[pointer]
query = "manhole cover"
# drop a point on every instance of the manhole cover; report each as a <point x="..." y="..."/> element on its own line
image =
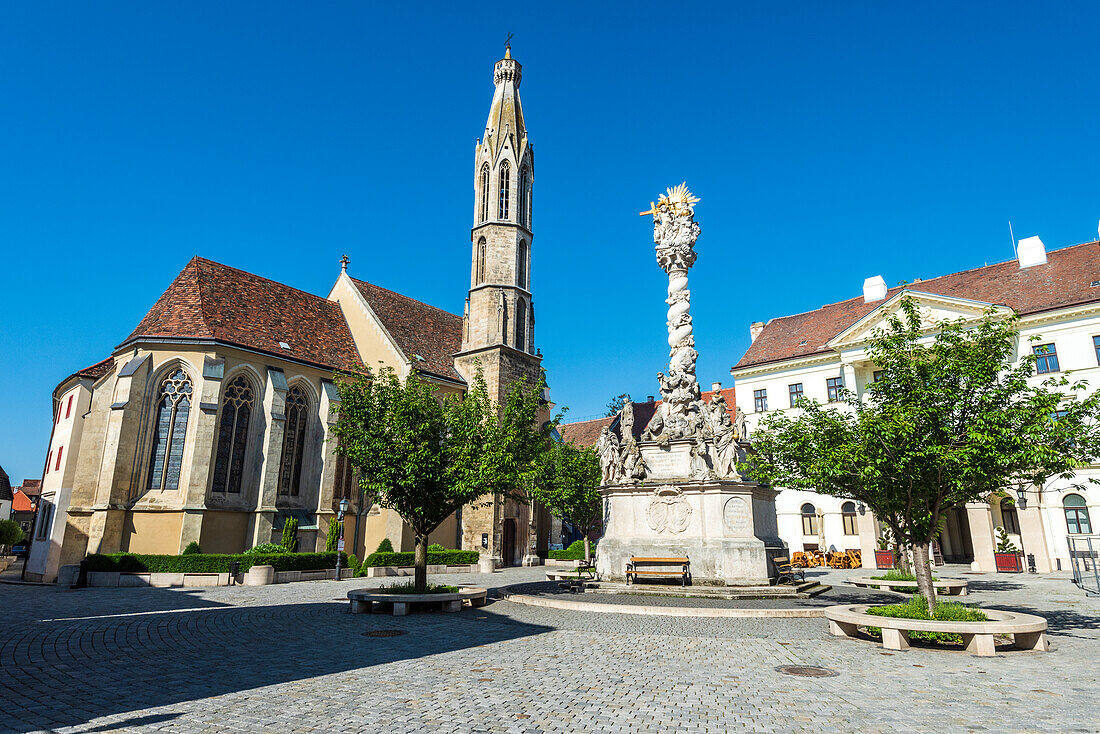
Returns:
<point x="384" y="633"/>
<point x="806" y="671"/>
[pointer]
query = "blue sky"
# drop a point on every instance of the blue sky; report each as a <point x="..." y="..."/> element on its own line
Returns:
<point x="829" y="142"/>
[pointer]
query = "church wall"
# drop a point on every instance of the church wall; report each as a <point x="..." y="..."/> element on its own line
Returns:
<point x="224" y="532"/>
<point x="152" y="532"/>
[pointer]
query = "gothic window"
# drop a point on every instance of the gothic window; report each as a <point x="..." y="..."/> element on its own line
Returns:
<point x="169" y="429"/>
<point x="502" y="184"/>
<point x="524" y="199"/>
<point x="521" y="265"/>
<point x="521" y="324"/>
<point x="503" y="319"/>
<point x="479" y="266"/>
<point x="233" y="436"/>
<point x="809" y="519"/>
<point x="531" y="331"/>
<point x="294" y="440"/>
<point x="484" y="192"/>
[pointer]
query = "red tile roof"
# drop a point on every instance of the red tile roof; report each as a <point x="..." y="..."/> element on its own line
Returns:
<point x="21" y="502"/>
<point x="1064" y="280"/>
<point x="97" y="370"/>
<point x="208" y="300"/>
<point x="418" y="329"/>
<point x="585" y="433"/>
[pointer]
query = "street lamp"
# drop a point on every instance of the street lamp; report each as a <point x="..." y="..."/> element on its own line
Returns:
<point x="344" y="505"/>
<point x="1021" y="502"/>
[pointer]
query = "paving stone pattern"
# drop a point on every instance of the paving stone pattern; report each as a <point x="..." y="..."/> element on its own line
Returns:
<point x="290" y="658"/>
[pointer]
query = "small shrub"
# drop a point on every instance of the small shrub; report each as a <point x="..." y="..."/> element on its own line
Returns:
<point x="384" y="547"/>
<point x="575" y="551"/>
<point x="191" y="549"/>
<point x="290" y="534"/>
<point x="901" y="576"/>
<point x="265" y="548"/>
<point x="409" y="587"/>
<point x="435" y="548"/>
<point x="917" y="608"/>
<point x="10" y="532"/>
<point x="353" y="562"/>
<point x="332" y="540"/>
<point x="1004" y="543"/>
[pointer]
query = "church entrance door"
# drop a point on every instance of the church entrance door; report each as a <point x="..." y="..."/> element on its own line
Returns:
<point x="508" y="552"/>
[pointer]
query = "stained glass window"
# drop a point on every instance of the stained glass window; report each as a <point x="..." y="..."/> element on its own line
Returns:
<point x="484" y="192"/>
<point x="233" y="436"/>
<point x="169" y="431"/>
<point x="294" y="439"/>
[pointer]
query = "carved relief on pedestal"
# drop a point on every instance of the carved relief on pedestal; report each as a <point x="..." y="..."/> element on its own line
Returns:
<point x="668" y="511"/>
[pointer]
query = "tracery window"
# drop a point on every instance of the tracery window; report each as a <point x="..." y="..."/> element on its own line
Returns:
<point x="479" y="266"/>
<point x="233" y="436"/>
<point x="502" y="185"/>
<point x="524" y="199"/>
<point x="294" y="440"/>
<point x="521" y="266"/>
<point x="169" y="430"/>
<point x="521" y="324"/>
<point x="484" y="192"/>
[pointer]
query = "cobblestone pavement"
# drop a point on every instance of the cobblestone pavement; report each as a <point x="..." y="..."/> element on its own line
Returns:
<point x="290" y="658"/>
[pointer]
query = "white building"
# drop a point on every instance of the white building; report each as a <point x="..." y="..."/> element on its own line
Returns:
<point x="813" y="354"/>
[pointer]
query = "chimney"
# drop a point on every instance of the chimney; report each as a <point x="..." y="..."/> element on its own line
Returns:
<point x="1031" y="251"/>
<point x="716" y="386"/>
<point x="755" y="328"/>
<point x="649" y="399"/>
<point x="874" y="289"/>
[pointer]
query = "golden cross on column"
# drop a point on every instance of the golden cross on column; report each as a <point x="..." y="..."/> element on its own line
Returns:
<point x="652" y="210"/>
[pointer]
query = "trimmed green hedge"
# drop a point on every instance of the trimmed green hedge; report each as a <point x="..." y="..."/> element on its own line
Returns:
<point x="210" y="562"/>
<point x="575" y="551"/>
<point x="435" y="558"/>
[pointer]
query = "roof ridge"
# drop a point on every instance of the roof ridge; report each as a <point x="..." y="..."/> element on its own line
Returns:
<point x="259" y="277"/>
<point x="407" y="298"/>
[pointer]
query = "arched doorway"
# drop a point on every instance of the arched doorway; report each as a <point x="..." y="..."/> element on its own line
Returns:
<point x="508" y="551"/>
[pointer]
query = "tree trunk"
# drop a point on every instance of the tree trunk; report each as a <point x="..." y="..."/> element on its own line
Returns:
<point x="923" y="571"/>
<point x="901" y="556"/>
<point x="587" y="550"/>
<point x="420" y="563"/>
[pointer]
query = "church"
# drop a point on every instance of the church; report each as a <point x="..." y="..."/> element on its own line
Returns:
<point x="211" y="421"/>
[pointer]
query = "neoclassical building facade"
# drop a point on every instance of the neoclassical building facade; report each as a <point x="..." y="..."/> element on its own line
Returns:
<point x="211" y="422"/>
<point x="815" y="354"/>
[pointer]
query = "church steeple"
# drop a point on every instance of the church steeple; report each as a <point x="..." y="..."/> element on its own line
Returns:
<point x="499" y="306"/>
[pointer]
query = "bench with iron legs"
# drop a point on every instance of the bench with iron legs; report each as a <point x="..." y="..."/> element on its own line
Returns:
<point x="787" y="570"/>
<point x="640" y="566"/>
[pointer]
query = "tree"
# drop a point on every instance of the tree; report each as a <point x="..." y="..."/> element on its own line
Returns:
<point x="951" y="419"/>
<point x="290" y="534"/>
<point x="615" y="404"/>
<point x="566" y="484"/>
<point x="10" y="533"/>
<point x="426" y="455"/>
<point x="332" y="540"/>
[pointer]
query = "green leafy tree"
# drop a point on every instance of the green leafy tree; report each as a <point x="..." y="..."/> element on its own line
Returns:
<point x="290" y="534"/>
<point x="425" y="455"/>
<point x="566" y="484"/>
<point x="952" y="419"/>
<point x="332" y="540"/>
<point x="10" y="533"/>
<point x="385" y="546"/>
<point x="615" y="404"/>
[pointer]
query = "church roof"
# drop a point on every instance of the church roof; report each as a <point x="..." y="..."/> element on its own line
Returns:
<point x="1064" y="280"/>
<point x="208" y="300"/>
<point x="585" y="433"/>
<point x="428" y="336"/>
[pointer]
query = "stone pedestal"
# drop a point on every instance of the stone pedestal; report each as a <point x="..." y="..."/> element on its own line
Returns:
<point x="726" y="527"/>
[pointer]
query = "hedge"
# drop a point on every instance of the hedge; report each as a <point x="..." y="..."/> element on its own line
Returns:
<point x="575" y="551"/>
<point x="210" y="562"/>
<point x="435" y="558"/>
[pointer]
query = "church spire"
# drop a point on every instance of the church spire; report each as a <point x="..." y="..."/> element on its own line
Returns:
<point x="505" y="122"/>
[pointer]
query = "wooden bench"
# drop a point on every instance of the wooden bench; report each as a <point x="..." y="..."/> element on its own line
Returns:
<point x="787" y="570"/>
<point x="1028" y="630"/>
<point x="683" y="572"/>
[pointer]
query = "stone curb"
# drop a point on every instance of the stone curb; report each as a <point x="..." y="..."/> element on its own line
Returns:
<point x="583" y="606"/>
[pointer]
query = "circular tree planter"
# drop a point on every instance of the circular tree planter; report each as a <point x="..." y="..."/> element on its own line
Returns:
<point x="363" y="600"/>
<point x="1028" y="630"/>
<point x="944" y="587"/>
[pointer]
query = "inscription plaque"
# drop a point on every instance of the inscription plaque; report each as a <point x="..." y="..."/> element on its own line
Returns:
<point x="736" y="515"/>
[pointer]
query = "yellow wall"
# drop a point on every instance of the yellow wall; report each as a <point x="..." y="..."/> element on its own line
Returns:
<point x="446" y="534"/>
<point x="224" y="532"/>
<point x="152" y="532"/>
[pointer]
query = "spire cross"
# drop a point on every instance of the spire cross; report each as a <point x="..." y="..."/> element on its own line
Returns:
<point x="508" y="40"/>
<point x="344" y="260"/>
